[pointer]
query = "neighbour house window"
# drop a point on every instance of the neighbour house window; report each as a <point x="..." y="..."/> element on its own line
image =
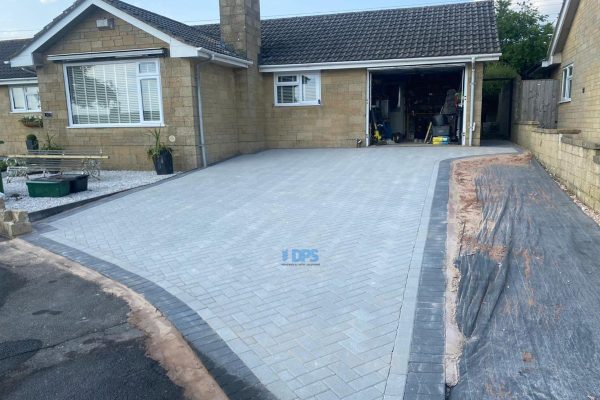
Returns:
<point x="567" y="82"/>
<point x="24" y="99"/>
<point x="298" y="89"/>
<point x="114" y="94"/>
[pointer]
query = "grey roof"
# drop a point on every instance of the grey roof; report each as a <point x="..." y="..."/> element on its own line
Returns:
<point x="7" y="49"/>
<point x="446" y="30"/>
<point x="435" y="31"/>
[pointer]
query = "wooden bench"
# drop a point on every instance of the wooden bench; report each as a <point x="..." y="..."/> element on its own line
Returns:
<point x="54" y="162"/>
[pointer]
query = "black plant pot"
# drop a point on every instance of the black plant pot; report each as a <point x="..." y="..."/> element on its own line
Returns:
<point x="163" y="163"/>
<point x="32" y="144"/>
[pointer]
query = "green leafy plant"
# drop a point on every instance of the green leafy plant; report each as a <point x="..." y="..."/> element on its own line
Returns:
<point x="158" y="146"/>
<point x="32" y="121"/>
<point x="497" y="75"/>
<point x="50" y="143"/>
<point x="524" y="32"/>
<point x="3" y="166"/>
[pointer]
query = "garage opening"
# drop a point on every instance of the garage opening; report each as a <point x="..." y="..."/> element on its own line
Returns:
<point x="417" y="105"/>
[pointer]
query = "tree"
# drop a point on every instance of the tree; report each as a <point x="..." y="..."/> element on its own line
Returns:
<point x="524" y="33"/>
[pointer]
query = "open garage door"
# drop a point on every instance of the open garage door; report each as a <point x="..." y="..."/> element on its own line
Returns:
<point x="416" y="105"/>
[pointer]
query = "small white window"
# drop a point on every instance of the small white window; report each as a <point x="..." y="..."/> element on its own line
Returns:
<point x="114" y="94"/>
<point x="298" y="89"/>
<point x="567" y="83"/>
<point x="148" y="67"/>
<point x="24" y="99"/>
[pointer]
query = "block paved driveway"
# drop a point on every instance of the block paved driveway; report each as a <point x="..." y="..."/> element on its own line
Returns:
<point x="214" y="239"/>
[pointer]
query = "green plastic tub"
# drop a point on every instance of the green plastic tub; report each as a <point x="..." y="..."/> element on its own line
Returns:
<point x="48" y="187"/>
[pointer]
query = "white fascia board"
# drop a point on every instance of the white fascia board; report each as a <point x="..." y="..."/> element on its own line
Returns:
<point x="223" y="59"/>
<point x="379" y="63"/>
<point x="559" y="28"/>
<point x="18" y="81"/>
<point x="176" y="47"/>
<point x="554" y="59"/>
<point x="106" y="54"/>
<point x="420" y="66"/>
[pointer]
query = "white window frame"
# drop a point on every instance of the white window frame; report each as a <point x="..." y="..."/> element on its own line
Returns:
<point x="566" y="83"/>
<point x="139" y="78"/>
<point x="298" y="75"/>
<point x="26" y="109"/>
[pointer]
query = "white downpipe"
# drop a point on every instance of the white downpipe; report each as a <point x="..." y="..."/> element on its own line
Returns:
<point x="200" y="114"/>
<point x="472" y="103"/>
<point x="466" y="96"/>
<point x="368" y="110"/>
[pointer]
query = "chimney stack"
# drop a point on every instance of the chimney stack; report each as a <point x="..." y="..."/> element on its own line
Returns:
<point x="240" y="26"/>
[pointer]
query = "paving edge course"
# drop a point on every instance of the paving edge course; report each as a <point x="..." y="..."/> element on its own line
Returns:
<point x="235" y="379"/>
<point x="162" y="341"/>
<point x="426" y="376"/>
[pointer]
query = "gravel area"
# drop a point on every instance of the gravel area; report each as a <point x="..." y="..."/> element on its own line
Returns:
<point x="590" y="212"/>
<point x="110" y="182"/>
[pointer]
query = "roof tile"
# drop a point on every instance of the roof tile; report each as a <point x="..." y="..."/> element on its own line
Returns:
<point x="7" y="49"/>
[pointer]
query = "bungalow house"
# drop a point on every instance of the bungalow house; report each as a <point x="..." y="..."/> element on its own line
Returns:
<point x="104" y="72"/>
<point x="571" y="151"/>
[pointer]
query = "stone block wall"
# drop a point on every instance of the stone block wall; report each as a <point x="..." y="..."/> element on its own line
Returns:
<point x="581" y="50"/>
<point x="572" y="159"/>
<point x="13" y="132"/>
<point x="240" y="28"/>
<point x="337" y="122"/>
<point x="125" y="146"/>
<point x="219" y="112"/>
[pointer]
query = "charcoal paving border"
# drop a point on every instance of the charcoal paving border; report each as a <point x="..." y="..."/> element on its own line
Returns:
<point x="234" y="377"/>
<point x="426" y="378"/>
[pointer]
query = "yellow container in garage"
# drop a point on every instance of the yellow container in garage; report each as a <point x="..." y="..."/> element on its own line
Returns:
<point x="440" y="140"/>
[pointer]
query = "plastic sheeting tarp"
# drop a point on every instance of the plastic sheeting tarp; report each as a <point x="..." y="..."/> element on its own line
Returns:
<point x="529" y="293"/>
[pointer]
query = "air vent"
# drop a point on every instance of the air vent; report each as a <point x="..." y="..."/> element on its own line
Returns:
<point x="105" y="23"/>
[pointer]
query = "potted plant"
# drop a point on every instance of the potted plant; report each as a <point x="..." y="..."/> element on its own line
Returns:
<point x="161" y="154"/>
<point x="32" y="121"/>
<point x="32" y="142"/>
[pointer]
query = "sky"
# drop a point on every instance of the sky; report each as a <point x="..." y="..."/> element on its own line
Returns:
<point x="23" y="18"/>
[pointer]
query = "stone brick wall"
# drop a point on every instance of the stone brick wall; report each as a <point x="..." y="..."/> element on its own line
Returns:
<point x="574" y="161"/>
<point x="125" y="146"/>
<point x="341" y="117"/>
<point x="240" y="28"/>
<point x="581" y="49"/>
<point x="337" y="122"/>
<point x="12" y="132"/>
<point x="219" y="112"/>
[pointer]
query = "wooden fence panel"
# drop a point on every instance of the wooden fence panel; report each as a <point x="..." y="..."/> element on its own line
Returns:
<point x="538" y="101"/>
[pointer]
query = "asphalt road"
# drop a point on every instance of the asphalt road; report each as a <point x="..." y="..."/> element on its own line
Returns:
<point x="62" y="337"/>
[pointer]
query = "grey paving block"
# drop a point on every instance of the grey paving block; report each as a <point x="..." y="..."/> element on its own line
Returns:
<point x="217" y="247"/>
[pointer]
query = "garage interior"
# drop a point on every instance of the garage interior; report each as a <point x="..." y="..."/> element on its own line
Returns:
<point x="416" y="105"/>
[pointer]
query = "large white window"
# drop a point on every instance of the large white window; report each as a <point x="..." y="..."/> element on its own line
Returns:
<point x="114" y="94"/>
<point x="567" y="83"/>
<point x="24" y="99"/>
<point x="298" y="89"/>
